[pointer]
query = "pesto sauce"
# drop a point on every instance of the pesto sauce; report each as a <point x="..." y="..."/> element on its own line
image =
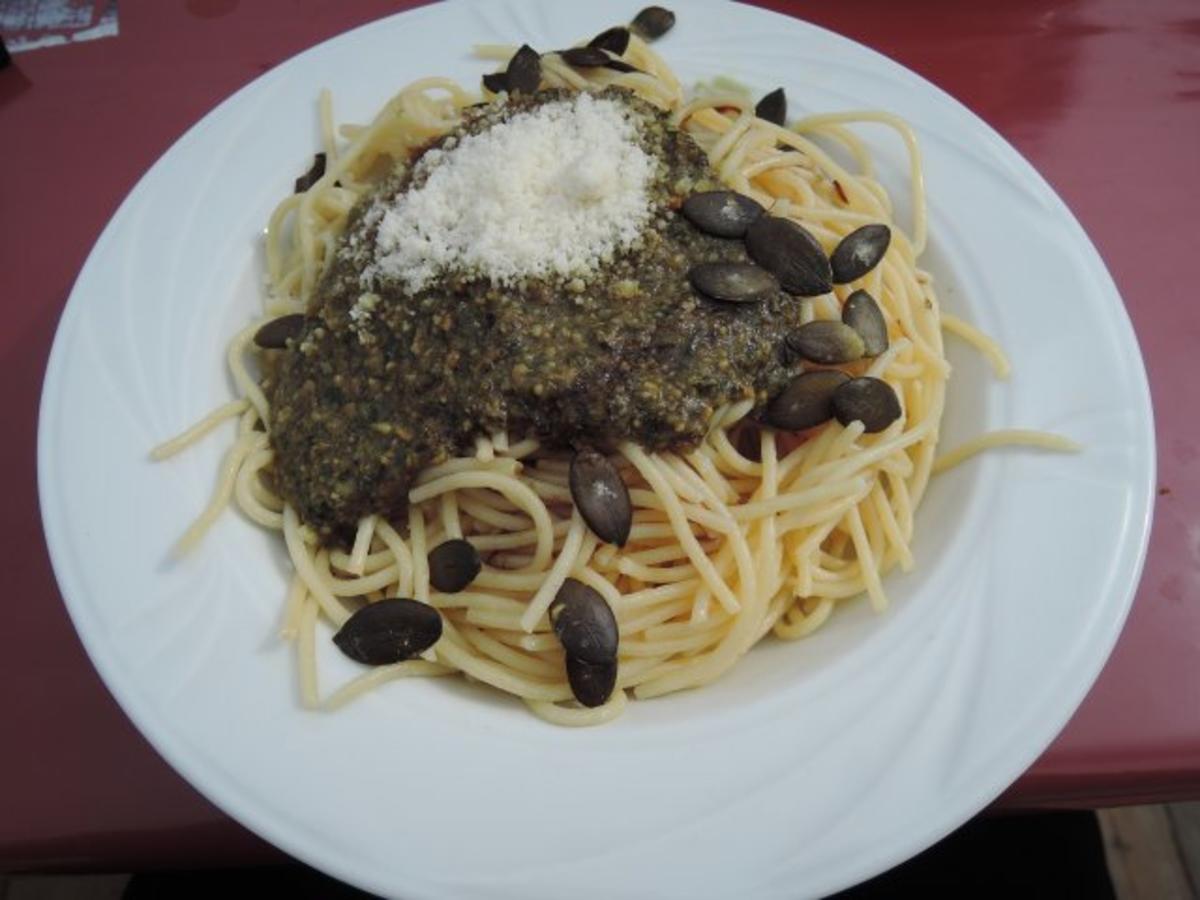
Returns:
<point x="360" y="405"/>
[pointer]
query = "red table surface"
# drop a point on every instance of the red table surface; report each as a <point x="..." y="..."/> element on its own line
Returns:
<point x="1103" y="96"/>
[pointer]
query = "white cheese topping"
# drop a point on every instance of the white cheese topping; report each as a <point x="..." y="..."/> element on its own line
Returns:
<point x="553" y="191"/>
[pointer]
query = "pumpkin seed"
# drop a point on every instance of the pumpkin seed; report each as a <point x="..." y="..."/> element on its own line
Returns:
<point x="389" y="631"/>
<point x="807" y="401"/>
<point x="614" y="40"/>
<point x="773" y="107"/>
<point x="496" y="82"/>
<point x="591" y="683"/>
<point x="453" y="565"/>
<point x="859" y="252"/>
<point x="584" y="57"/>
<point x="726" y="214"/>
<point x="863" y="314"/>
<point x="827" y="342"/>
<point x="619" y="65"/>
<point x="733" y="282"/>
<point x="601" y="496"/>
<point x="652" y="23"/>
<point x="747" y="441"/>
<point x="867" y="400"/>
<point x="313" y="175"/>
<point x="793" y="255"/>
<point x="584" y="623"/>
<point x="524" y="72"/>
<point x="276" y="333"/>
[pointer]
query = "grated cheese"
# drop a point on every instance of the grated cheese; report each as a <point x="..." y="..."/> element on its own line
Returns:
<point x="360" y="317"/>
<point x="553" y="191"/>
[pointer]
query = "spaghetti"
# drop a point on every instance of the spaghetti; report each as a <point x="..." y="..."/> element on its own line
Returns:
<point x="728" y="543"/>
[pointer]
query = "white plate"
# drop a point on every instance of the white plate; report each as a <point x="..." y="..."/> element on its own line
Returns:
<point x="813" y="765"/>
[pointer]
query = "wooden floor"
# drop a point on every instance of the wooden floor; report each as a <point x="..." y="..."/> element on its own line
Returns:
<point x="1153" y="853"/>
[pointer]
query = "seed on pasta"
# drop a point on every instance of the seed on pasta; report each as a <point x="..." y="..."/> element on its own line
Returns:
<point x="863" y="314"/>
<point x="827" y="342"/>
<point x="733" y="282"/>
<point x="868" y="400"/>
<point x="584" y="623"/>
<point x="591" y="683"/>
<point x="524" y="72"/>
<point x="807" y="401"/>
<point x="652" y="22"/>
<point x="601" y="496"/>
<point x="793" y="255"/>
<point x="275" y="334"/>
<point x="313" y="175"/>
<point x="584" y="57"/>
<point x="725" y="214"/>
<point x="773" y="107"/>
<point x="614" y="40"/>
<point x="747" y="440"/>
<point x="389" y="631"/>
<point x="453" y="565"/>
<point x="859" y="252"/>
<point x="496" y="82"/>
<point x="619" y="65"/>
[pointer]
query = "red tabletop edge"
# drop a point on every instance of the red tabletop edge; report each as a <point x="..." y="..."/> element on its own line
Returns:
<point x="1103" y="96"/>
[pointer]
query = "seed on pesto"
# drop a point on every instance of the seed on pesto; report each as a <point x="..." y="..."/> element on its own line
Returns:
<point x="807" y="401"/>
<point x="733" y="282"/>
<point x="790" y="252"/>
<point x="275" y="334"/>
<point x="524" y="72"/>
<point x="828" y="343"/>
<point x="725" y="214"/>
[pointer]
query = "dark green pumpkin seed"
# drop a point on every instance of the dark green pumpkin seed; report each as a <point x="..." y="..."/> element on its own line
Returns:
<point x="524" y="72"/>
<point x="584" y="57"/>
<point x="747" y="441"/>
<point x="591" y="683"/>
<point x="652" y="23"/>
<point x="792" y="254"/>
<point x="619" y="65"/>
<point x="867" y="400"/>
<point x="733" y="282"/>
<point x="726" y="214"/>
<point x="859" y="252"/>
<point x="313" y="175"/>
<point x="601" y="496"/>
<point x="276" y="333"/>
<point x="453" y="565"/>
<point x="614" y="40"/>
<point x="863" y="314"/>
<point x="773" y="107"/>
<point x="827" y="342"/>
<point x="389" y="631"/>
<point x="584" y="622"/>
<point x="496" y="82"/>
<point x="807" y="401"/>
